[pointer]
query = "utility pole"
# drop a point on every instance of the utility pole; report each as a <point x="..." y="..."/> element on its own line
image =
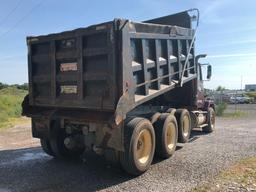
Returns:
<point x="236" y="101"/>
<point x="241" y="82"/>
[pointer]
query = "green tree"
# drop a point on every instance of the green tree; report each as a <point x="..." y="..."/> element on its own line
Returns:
<point x="24" y="86"/>
<point x="220" y="88"/>
<point x="3" y="85"/>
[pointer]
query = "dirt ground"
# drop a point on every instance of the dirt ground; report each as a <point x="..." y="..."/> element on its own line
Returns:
<point x="17" y="137"/>
<point x="24" y="166"/>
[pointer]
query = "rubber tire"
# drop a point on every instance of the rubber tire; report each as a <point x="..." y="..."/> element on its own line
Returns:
<point x="171" y="111"/>
<point x="45" y="144"/>
<point x="211" y="125"/>
<point x="180" y="113"/>
<point x="131" y="132"/>
<point x="160" y="130"/>
<point x="57" y="144"/>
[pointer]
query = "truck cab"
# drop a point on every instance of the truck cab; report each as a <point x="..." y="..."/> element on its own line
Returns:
<point x="203" y="102"/>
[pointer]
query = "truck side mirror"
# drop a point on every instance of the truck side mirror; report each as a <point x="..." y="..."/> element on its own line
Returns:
<point x="209" y="72"/>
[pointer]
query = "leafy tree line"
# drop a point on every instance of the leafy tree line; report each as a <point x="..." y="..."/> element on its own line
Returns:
<point x="23" y="86"/>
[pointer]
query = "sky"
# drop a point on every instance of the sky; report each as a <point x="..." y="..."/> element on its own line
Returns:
<point x="227" y="31"/>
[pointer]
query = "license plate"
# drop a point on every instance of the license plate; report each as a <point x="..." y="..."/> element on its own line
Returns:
<point x="68" y="67"/>
<point x="68" y="89"/>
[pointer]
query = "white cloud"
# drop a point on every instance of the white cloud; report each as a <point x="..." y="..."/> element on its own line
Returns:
<point x="210" y="11"/>
<point x="12" y="57"/>
<point x="229" y="75"/>
<point x="232" y="55"/>
<point x="249" y="41"/>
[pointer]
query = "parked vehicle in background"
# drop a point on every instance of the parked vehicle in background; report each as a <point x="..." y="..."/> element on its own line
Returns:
<point x="240" y="100"/>
<point x="126" y="90"/>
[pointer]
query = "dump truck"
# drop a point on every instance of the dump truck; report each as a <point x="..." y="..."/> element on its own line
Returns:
<point x="123" y="89"/>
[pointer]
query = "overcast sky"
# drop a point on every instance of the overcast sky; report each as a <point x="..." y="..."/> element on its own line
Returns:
<point x="227" y="31"/>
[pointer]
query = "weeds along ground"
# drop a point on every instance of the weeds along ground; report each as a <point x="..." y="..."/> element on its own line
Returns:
<point x="10" y="105"/>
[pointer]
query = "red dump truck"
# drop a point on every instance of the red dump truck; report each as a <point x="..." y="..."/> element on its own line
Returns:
<point x="126" y="90"/>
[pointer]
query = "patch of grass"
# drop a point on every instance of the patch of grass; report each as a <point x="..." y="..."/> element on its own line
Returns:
<point x="236" y="114"/>
<point x="240" y="175"/>
<point x="220" y="108"/>
<point x="10" y="105"/>
<point x="241" y="171"/>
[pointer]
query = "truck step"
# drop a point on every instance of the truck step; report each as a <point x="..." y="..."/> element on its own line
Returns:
<point x="199" y="112"/>
<point x="203" y="125"/>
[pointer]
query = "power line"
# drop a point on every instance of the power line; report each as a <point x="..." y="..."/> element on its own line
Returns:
<point x="10" y="13"/>
<point x="22" y="18"/>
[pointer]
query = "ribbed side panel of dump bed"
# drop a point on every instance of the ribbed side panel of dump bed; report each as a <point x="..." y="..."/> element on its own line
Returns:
<point x="158" y="55"/>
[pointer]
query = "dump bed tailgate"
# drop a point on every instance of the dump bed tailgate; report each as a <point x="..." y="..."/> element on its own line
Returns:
<point x="73" y="69"/>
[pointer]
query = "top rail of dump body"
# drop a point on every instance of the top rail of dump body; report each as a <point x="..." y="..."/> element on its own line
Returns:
<point x="119" y="65"/>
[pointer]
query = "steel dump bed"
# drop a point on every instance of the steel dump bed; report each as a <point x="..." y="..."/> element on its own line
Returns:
<point x="119" y="63"/>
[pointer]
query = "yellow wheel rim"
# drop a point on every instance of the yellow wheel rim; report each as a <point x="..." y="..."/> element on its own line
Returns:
<point x="185" y="126"/>
<point x="170" y="135"/>
<point x="144" y="147"/>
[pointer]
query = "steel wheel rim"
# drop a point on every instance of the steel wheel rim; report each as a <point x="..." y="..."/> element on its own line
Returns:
<point x="170" y="135"/>
<point x="144" y="147"/>
<point x="185" y="123"/>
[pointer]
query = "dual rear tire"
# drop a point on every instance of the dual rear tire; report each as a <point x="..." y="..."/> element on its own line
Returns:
<point x="54" y="146"/>
<point x="139" y="143"/>
<point x="166" y="135"/>
<point x="142" y="140"/>
<point x="45" y="144"/>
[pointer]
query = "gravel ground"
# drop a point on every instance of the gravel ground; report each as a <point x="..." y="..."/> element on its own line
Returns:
<point x="198" y="161"/>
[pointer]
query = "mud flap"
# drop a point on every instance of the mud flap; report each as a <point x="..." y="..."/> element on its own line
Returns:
<point x="41" y="128"/>
<point x="113" y="136"/>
